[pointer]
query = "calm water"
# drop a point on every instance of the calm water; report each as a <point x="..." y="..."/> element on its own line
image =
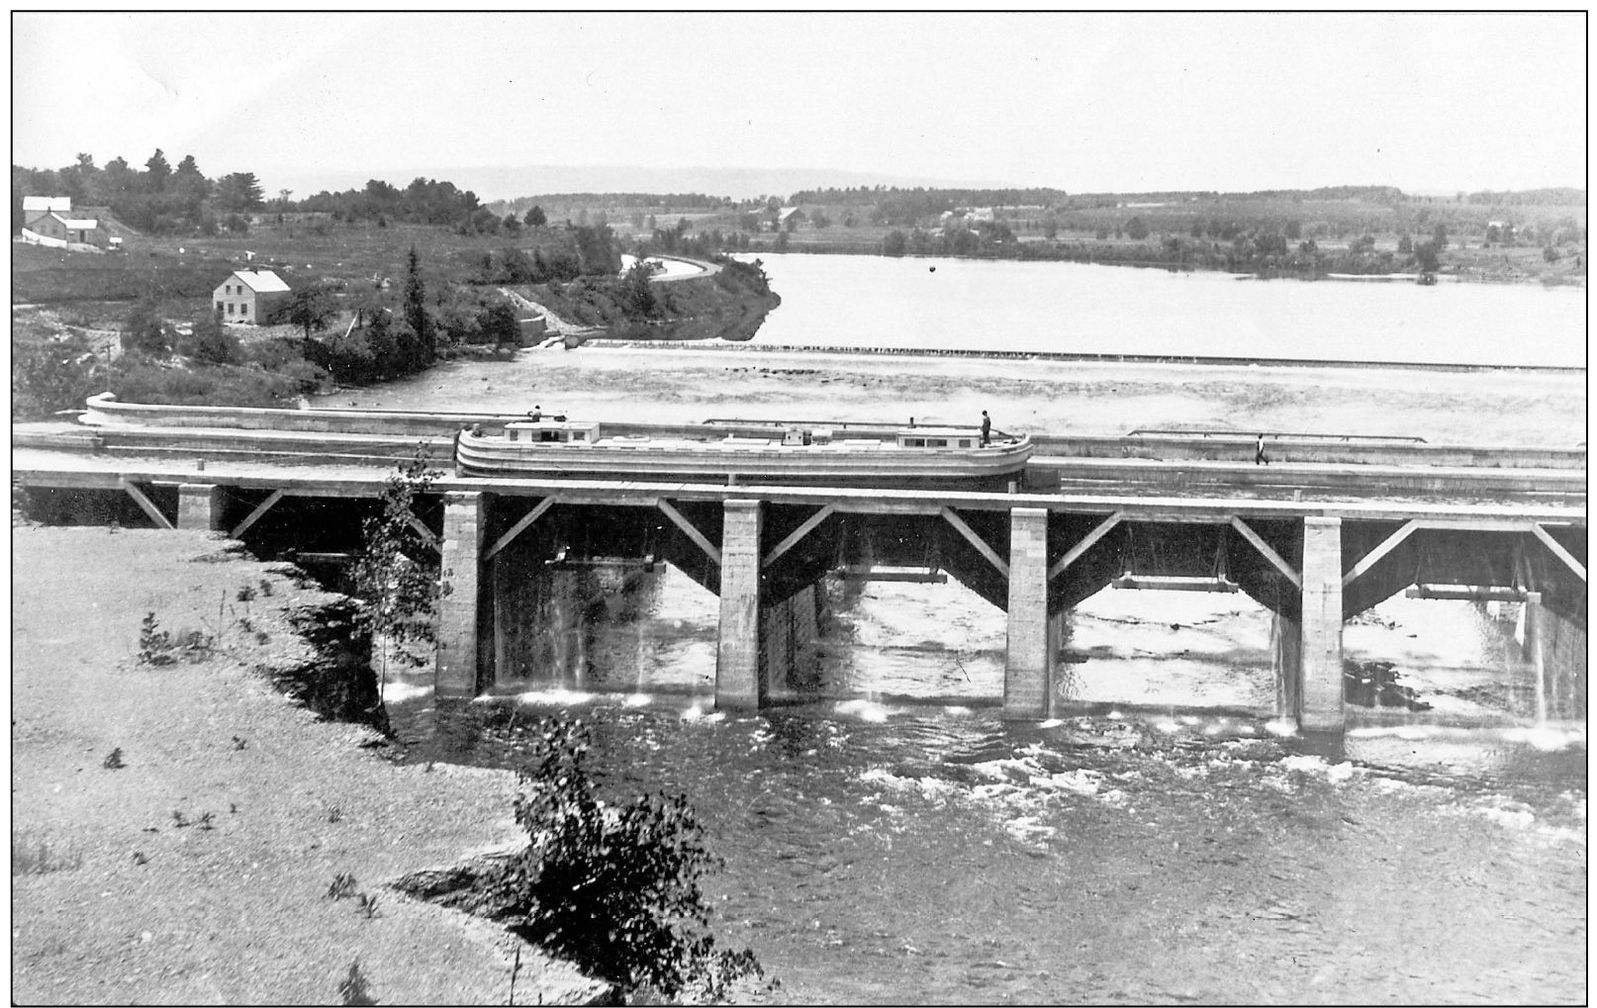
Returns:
<point x="1080" y="308"/>
<point x="889" y="839"/>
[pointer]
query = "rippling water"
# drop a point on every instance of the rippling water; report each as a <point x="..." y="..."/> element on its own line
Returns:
<point x="890" y="839"/>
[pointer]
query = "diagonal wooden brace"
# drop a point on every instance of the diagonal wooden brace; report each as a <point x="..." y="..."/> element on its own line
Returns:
<point x="975" y="540"/>
<point x="1559" y="551"/>
<point x="139" y="497"/>
<point x="255" y="516"/>
<point x="1075" y="552"/>
<point x="810" y="525"/>
<point x="1266" y="551"/>
<point x="520" y="526"/>
<point x="427" y="535"/>
<point x="1374" y="556"/>
<point x="691" y="531"/>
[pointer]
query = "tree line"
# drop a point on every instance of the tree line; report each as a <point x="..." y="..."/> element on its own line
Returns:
<point x="159" y="199"/>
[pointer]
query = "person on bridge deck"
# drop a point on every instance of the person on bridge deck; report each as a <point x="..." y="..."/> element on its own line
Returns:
<point x="1258" y="452"/>
<point x="536" y="413"/>
<point x="986" y="428"/>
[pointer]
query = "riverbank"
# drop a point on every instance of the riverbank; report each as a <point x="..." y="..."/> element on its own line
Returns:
<point x="114" y="901"/>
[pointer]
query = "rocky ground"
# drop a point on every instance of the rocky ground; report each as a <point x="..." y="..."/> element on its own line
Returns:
<point x="198" y="872"/>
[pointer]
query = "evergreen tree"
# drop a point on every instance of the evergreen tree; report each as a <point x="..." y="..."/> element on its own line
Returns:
<point x="156" y="172"/>
<point x="416" y="311"/>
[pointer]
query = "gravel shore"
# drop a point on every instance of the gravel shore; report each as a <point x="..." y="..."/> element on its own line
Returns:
<point x="114" y="902"/>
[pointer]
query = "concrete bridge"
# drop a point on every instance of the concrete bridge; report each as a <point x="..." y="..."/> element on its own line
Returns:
<point x="1315" y="542"/>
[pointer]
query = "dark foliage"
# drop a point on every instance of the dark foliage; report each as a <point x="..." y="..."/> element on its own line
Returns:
<point x="57" y="374"/>
<point x="615" y="887"/>
<point x="337" y="683"/>
<point x="397" y="578"/>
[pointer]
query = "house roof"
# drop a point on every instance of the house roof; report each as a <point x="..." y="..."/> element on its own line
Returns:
<point x="41" y="203"/>
<point x="80" y="223"/>
<point x="262" y="281"/>
<point x="786" y="212"/>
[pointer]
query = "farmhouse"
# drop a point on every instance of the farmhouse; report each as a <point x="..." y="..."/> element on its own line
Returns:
<point x="788" y="218"/>
<point x="51" y="218"/>
<point x="249" y="296"/>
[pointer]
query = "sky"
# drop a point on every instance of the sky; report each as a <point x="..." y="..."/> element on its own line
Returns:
<point x="1432" y="103"/>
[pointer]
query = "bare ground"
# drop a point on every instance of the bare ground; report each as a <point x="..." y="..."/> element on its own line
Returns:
<point x="130" y="907"/>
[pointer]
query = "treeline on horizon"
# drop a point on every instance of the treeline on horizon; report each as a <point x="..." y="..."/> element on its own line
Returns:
<point x="163" y="200"/>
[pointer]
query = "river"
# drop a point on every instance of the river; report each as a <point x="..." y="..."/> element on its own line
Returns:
<point x="889" y="839"/>
<point x="970" y="304"/>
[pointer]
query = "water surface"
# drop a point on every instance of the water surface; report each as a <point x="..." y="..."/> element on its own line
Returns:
<point x="942" y="303"/>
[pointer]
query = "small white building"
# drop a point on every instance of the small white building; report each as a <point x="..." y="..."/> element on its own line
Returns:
<point x="249" y="296"/>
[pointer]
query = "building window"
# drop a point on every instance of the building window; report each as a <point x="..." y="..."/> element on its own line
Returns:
<point x="244" y="309"/>
<point x="230" y="307"/>
<point x="218" y="307"/>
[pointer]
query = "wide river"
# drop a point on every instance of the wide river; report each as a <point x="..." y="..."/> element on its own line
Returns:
<point x="968" y="304"/>
<point x="889" y="839"/>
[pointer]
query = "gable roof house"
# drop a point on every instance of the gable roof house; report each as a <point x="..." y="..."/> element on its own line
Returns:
<point x="250" y="296"/>
<point x="49" y="220"/>
<point x="789" y="218"/>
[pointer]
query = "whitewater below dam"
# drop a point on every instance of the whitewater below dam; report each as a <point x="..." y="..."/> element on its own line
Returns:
<point x="889" y="839"/>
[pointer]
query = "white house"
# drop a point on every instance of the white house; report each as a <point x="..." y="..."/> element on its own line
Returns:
<point x="249" y="296"/>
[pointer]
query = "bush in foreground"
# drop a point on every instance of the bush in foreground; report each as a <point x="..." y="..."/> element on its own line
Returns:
<point x="614" y="889"/>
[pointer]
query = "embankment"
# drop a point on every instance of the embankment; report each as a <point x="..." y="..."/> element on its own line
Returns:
<point x="729" y="304"/>
<point x="199" y="871"/>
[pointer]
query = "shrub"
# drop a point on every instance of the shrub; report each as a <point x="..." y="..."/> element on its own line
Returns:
<point x="162" y="647"/>
<point x="615" y="889"/>
<point x="51" y="376"/>
<point x="210" y="343"/>
<point x="353" y="989"/>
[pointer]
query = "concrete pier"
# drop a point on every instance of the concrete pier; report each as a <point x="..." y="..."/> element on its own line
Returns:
<point x="1028" y="663"/>
<point x="1320" y="657"/>
<point x="738" y="683"/>
<point x="199" y="506"/>
<point x="530" y="625"/>
<point x="459" y="611"/>
<point x="789" y="645"/>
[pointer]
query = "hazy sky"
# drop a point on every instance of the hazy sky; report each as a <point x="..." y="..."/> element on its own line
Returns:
<point x="1082" y="102"/>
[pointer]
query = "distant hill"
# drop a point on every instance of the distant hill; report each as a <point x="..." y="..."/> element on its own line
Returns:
<point x="533" y="180"/>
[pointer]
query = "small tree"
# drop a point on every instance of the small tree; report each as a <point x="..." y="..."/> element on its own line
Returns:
<point x="497" y="325"/>
<point x="536" y="217"/>
<point x="311" y="308"/>
<point x="1136" y="229"/>
<point x="1425" y="253"/>
<point x="146" y="333"/>
<point x="614" y="886"/>
<point x="397" y="578"/>
<point x="210" y="342"/>
<point x="639" y="291"/>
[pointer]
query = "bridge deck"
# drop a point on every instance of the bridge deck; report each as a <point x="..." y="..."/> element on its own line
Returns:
<point x="41" y="468"/>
